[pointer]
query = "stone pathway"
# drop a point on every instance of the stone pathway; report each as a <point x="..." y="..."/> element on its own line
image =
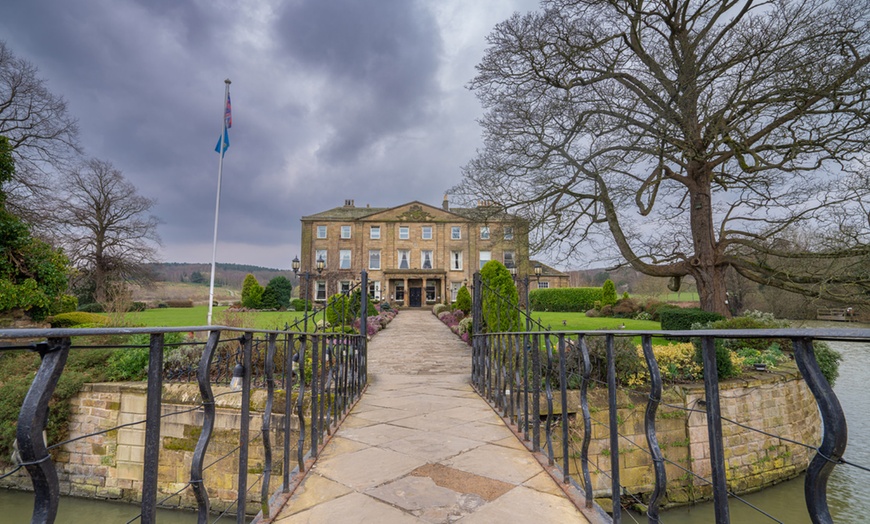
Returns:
<point x="422" y="447"/>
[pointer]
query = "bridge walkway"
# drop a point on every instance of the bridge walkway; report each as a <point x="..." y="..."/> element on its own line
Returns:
<point x="422" y="447"/>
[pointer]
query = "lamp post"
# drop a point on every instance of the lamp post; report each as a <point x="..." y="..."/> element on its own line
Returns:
<point x="320" y="265"/>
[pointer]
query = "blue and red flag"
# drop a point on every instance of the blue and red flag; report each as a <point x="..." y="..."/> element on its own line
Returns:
<point x="228" y="123"/>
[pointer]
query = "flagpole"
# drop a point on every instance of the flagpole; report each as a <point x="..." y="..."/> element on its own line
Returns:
<point x="217" y="204"/>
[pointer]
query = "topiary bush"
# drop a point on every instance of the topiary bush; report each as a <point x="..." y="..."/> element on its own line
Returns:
<point x="500" y="298"/>
<point x="252" y="292"/>
<point x="463" y="300"/>
<point x="77" y="319"/>
<point x="566" y="299"/>
<point x="437" y="309"/>
<point x="608" y="293"/>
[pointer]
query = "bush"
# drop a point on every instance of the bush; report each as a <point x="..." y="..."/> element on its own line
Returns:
<point x="463" y="300"/>
<point x="681" y="319"/>
<point x="252" y="292"/>
<point x="500" y="298"/>
<point x="77" y="319"/>
<point x="629" y="365"/>
<point x="593" y="313"/>
<point x="138" y="306"/>
<point x="626" y="308"/>
<point x="608" y="293"/>
<point x="829" y="361"/>
<point x="724" y="365"/>
<point x="298" y="304"/>
<point x="566" y="299"/>
<point x="440" y="308"/>
<point x="67" y="303"/>
<point x="179" y="303"/>
<point x="93" y="307"/>
<point x="279" y="289"/>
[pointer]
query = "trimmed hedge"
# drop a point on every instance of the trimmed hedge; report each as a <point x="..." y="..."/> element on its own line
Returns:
<point x="76" y="318"/>
<point x="566" y="299"/>
<point x="681" y="319"/>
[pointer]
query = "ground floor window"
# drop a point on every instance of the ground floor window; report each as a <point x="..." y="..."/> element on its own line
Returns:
<point x="400" y="292"/>
<point x="543" y="285"/>
<point x="320" y="290"/>
<point x="431" y="291"/>
<point x="375" y="290"/>
<point x="345" y="286"/>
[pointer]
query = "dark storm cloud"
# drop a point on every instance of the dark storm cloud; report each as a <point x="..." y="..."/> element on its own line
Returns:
<point x="381" y="60"/>
<point x="332" y="99"/>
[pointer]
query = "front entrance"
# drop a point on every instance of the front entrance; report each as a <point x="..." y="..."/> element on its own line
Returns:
<point x="415" y="297"/>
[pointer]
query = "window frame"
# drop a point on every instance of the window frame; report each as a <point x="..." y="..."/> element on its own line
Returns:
<point x="372" y="234"/>
<point x="375" y="252"/>
<point x="341" y="259"/>
<point x="321" y="252"/>
<point x="482" y="260"/>
<point x="407" y="253"/>
<point x="543" y="284"/>
<point x="424" y="230"/>
<point x="455" y="232"/>
<point x="404" y="232"/>
<point x="453" y="259"/>
<point x="318" y="229"/>
<point x="320" y="286"/>
<point x="349" y="231"/>
<point x="508" y="232"/>
<point x="485" y="233"/>
<point x="423" y="254"/>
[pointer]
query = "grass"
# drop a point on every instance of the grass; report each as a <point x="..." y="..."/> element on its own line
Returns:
<point x="198" y="316"/>
<point x="580" y="322"/>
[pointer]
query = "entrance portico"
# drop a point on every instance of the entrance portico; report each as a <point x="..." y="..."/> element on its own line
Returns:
<point x="414" y="288"/>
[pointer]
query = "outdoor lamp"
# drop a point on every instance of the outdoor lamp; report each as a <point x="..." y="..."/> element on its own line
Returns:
<point x="238" y="377"/>
<point x="513" y="271"/>
<point x="321" y="265"/>
<point x="538" y="270"/>
<point x="295" y="264"/>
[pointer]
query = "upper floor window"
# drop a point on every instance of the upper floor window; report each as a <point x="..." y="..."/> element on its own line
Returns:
<point x="321" y="231"/>
<point x="375" y="259"/>
<point x="426" y="259"/>
<point x="344" y="259"/>
<point x="508" y="233"/>
<point x="427" y="232"/>
<point x="509" y="259"/>
<point x="345" y="231"/>
<point x="404" y="255"/>
<point x="375" y="232"/>
<point x="455" y="233"/>
<point x="484" y="232"/>
<point x="404" y="232"/>
<point x="456" y="260"/>
<point x="485" y="256"/>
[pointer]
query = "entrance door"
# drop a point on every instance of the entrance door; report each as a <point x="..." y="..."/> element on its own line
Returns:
<point x="415" y="298"/>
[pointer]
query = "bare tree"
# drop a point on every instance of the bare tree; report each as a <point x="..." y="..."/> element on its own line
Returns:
<point x="108" y="231"/>
<point x="685" y="137"/>
<point x="42" y="135"/>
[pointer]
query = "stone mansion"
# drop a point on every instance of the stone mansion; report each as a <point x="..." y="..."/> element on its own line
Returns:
<point x="415" y="254"/>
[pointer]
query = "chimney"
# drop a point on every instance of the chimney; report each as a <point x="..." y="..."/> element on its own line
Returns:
<point x="446" y="204"/>
<point x="348" y="203"/>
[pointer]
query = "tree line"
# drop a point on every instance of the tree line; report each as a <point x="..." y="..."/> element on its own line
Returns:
<point x="73" y="229"/>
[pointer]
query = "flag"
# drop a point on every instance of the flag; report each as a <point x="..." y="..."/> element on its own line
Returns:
<point x="226" y="137"/>
<point x="228" y="123"/>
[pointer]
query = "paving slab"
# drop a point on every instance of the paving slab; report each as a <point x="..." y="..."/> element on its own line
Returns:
<point x="422" y="447"/>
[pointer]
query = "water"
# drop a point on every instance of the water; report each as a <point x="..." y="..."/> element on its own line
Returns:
<point x="18" y="507"/>
<point x="847" y="498"/>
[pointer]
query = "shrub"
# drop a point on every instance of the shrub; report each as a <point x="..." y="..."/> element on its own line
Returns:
<point x="279" y="288"/>
<point x="137" y="306"/>
<point x="298" y="304"/>
<point x="500" y="298"/>
<point x="67" y="303"/>
<point x="829" y="361"/>
<point x="463" y="300"/>
<point x="252" y="292"/>
<point x="465" y="326"/>
<point x="608" y="293"/>
<point x="93" y="307"/>
<point x="626" y="308"/>
<point x="77" y="319"/>
<point x="724" y="365"/>
<point x="437" y="309"/>
<point x="593" y="313"/>
<point x="565" y="299"/>
<point x="628" y="363"/>
<point x="179" y="303"/>
<point x="681" y="319"/>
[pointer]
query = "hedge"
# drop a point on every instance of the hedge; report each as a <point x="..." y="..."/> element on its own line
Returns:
<point x="76" y="318"/>
<point x="565" y="299"/>
<point x="681" y="319"/>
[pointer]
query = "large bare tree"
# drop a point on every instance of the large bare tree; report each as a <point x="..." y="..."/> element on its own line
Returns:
<point x="107" y="229"/>
<point x="42" y="135"/>
<point x="686" y="136"/>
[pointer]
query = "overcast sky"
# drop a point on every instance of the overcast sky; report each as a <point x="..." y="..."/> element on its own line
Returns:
<point x="332" y="99"/>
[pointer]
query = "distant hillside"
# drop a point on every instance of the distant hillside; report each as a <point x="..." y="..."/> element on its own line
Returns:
<point x="226" y="275"/>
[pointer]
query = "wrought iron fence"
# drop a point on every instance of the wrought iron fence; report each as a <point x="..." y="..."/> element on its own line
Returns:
<point x="321" y="374"/>
<point x="526" y="376"/>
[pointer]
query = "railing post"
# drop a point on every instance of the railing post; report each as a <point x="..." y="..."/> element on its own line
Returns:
<point x="563" y="392"/>
<point x="649" y="422"/>
<point x="31" y="423"/>
<point x="288" y="408"/>
<point x="244" y="425"/>
<point x="267" y="424"/>
<point x="714" y="431"/>
<point x="614" y="429"/>
<point x="835" y="434"/>
<point x="536" y="392"/>
<point x="587" y="418"/>
<point x="152" y="429"/>
<point x="203" y="378"/>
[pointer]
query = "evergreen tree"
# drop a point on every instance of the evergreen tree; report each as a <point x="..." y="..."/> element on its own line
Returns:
<point x="252" y="292"/>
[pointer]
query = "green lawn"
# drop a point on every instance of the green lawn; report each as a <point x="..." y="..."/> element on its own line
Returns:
<point x="198" y="316"/>
<point x="580" y="322"/>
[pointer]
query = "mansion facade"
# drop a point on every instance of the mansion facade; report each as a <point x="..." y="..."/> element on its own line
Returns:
<point x="415" y="254"/>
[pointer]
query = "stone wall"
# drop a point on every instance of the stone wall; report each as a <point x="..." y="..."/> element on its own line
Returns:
<point x="778" y="402"/>
<point x="110" y="465"/>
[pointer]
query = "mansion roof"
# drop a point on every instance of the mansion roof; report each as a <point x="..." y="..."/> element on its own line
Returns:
<point x="412" y="212"/>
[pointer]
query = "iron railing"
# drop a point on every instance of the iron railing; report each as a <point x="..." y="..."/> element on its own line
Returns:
<point x="321" y="374"/>
<point x="524" y="374"/>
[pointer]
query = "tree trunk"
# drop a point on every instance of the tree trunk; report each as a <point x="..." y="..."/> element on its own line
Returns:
<point x="709" y="275"/>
